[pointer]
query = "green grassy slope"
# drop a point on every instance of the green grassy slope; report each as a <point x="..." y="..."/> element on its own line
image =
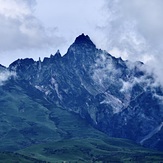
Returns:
<point x="35" y="129"/>
<point x="25" y="121"/>
<point x="93" y="150"/>
<point x="7" y="157"/>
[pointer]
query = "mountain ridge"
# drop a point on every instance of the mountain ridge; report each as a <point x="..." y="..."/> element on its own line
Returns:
<point x="116" y="97"/>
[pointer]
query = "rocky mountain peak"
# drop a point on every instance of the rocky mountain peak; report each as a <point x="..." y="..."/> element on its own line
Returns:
<point x="83" y="49"/>
<point x="115" y="96"/>
<point x="57" y="54"/>
<point x="21" y="64"/>
<point x="83" y="39"/>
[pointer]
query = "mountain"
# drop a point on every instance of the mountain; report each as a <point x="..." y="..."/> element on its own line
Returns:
<point x="87" y="90"/>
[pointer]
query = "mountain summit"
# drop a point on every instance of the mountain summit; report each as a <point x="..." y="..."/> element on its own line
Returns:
<point x="83" y="39"/>
<point x="110" y="95"/>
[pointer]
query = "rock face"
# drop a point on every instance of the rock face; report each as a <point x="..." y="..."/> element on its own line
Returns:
<point x="116" y="97"/>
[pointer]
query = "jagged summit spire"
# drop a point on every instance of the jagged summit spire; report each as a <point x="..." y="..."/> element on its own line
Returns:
<point x="57" y="54"/>
<point x="82" y="39"/>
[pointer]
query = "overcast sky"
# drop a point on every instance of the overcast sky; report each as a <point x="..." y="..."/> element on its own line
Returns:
<point x="38" y="28"/>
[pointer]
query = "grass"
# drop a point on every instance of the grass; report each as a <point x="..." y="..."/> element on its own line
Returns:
<point x="93" y="150"/>
<point x="8" y="157"/>
<point x="26" y="121"/>
<point x="40" y="132"/>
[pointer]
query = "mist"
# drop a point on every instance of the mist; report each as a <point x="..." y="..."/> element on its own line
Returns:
<point x="134" y="31"/>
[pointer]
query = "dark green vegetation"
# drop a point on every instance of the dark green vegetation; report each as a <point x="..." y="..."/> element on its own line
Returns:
<point x="8" y="157"/>
<point x="59" y="135"/>
<point x="26" y="121"/>
<point x="93" y="150"/>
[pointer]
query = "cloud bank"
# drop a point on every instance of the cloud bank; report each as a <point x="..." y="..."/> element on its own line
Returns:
<point x="134" y="31"/>
<point x="21" y="29"/>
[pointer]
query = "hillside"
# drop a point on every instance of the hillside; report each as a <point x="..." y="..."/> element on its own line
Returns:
<point x="93" y="150"/>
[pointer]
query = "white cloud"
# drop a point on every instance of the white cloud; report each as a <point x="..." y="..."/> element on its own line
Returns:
<point x="104" y="71"/>
<point x="15" y="8"/>
<point x="21" y="30"/>
<point x="5" y="75"/>
<point x="134" y="29"/>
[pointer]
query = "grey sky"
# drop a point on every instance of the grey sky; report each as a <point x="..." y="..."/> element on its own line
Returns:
<point x="130" y="29"/>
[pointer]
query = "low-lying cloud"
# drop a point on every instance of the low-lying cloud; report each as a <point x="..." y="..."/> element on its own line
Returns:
<point x="5" y="75"/>
<point x="134" y="31"/>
